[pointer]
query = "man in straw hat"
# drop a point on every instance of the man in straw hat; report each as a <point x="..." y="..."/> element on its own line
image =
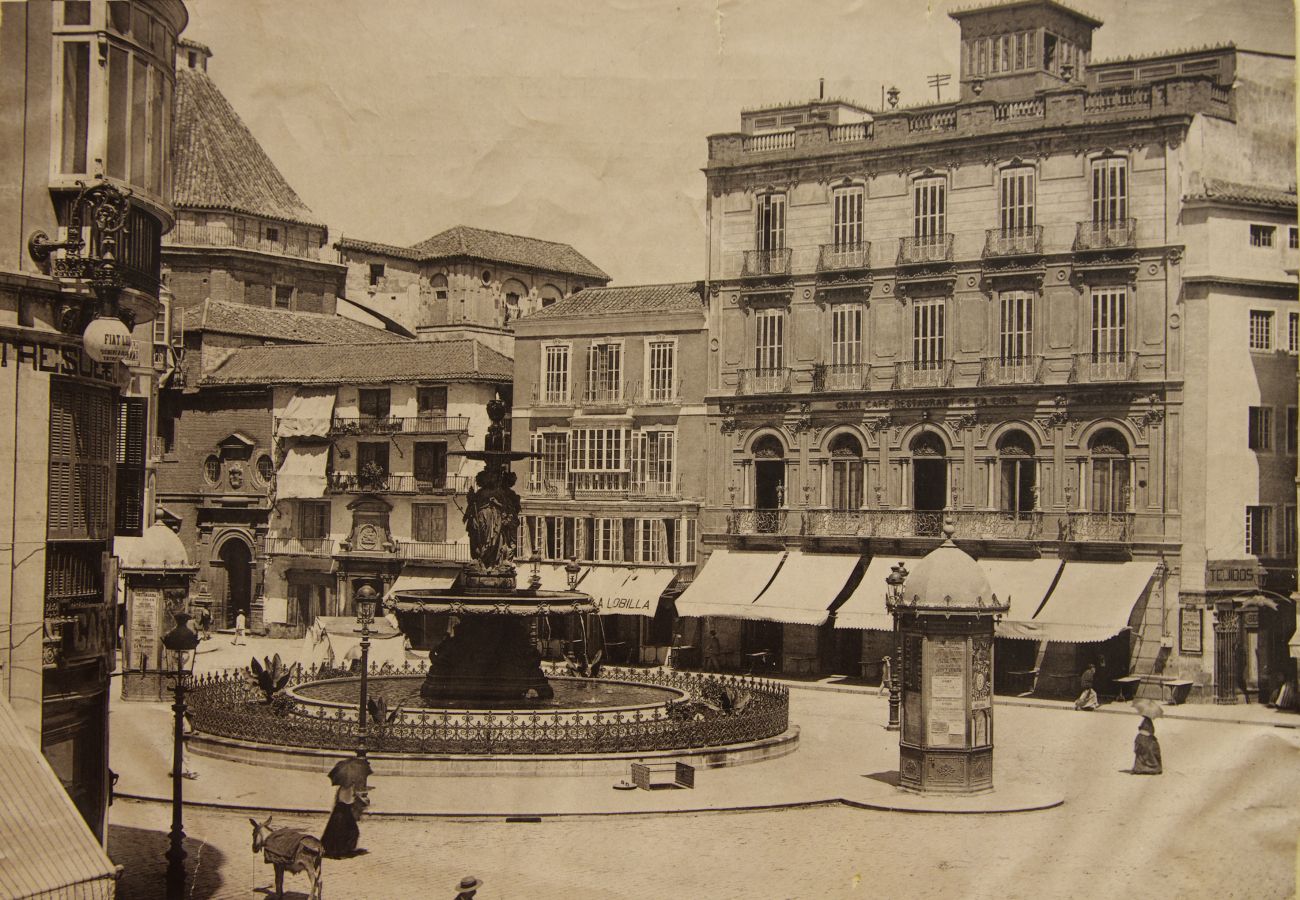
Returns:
<point x="468" y="887"/>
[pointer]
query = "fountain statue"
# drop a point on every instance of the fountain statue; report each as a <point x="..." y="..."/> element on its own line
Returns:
<point x="492" y="655"/>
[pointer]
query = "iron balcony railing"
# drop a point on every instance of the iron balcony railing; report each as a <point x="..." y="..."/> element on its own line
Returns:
<point x="767" y="262"/>
<point x="1114" y="527"/>
<point x="764" y="381"/>
<point x="929" y="248"/>
<point x="352" y="483"/>
<point x="603" y="395"/>
<point x="972" y="524"/>
<point x="295" y="546"/>
<point x="841" y="377"/>
<point x="347" y="425"/>
<point x="757" y="521"/>
<point x="841" y="257"/>
<point x="440" y="551"/>
<point x="923" y="374"/>
<point x="1012" y="370"/>
<point x="1025" y="240"/>
<point x="654" y="394"/>
<point x="604" y="485"/>
<point x="1107" y="366"/>
<point x="1106" y="235"/>
<point x="543" y="397"/>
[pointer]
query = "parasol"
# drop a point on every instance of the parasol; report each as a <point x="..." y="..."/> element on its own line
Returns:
<point x="351" y="773"/>
<point x="1149" y="708"/>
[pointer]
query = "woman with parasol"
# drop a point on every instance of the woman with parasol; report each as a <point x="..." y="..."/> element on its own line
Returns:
<point x="351" y="797"/>
<point x="1146" y="749"/>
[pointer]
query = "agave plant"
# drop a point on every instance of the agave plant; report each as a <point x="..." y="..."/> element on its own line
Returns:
<point x="269" y="676"/>
<point x="380" y="714"/>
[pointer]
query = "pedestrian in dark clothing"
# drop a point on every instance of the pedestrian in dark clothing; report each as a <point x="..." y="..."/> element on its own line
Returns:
<point x="1087" y="696"/>
<point x="341" y="831"/>
<point x="1146" y="750"/>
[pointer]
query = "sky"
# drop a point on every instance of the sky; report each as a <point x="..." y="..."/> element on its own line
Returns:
<point x="585" y="121"/>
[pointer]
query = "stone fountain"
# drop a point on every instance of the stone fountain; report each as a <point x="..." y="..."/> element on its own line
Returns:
<point x="492" y="655"/>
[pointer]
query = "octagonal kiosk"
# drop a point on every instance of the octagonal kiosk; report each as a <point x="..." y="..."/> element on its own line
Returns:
<point x="944" y="613"/>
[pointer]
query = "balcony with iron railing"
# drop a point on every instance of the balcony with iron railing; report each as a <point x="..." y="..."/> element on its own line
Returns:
<point x="605" y="486"/>
<point x="758" y="521"/>
<point x="764" y="381"/>
<point x="929" y="248"/>
<point x="761" y="263"/>
<point x="1104" y="367"/>
<point x="922" y="374"/>
<point x="603" y="393"/>
<point x="1026" y="240"/>
<point x="188" y="234"/>
<point x="656" y="394"/>
<point x="294" y="546"/>
<point x="844" y="257"/>
<point x="383" y="483"/>
<point x="543" y="397"/>
<point x="341" y="426"/>
<point x="1114" y="234"/>
<point x="841" y="377"/>
<point x="1085" y="526"/>
<point x="971" y="524"/>
<point x="433" y="551"/>
<point x="1011" y="370"/>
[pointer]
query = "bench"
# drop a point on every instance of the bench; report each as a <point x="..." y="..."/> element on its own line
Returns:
<point x="648" y="776"/>
<point x="803" y="665"/>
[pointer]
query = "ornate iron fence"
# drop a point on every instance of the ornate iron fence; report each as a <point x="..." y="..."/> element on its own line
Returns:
<point x="226" y="705"/>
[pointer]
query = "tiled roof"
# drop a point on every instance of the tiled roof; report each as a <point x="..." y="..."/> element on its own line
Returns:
<point x="1233" y="192"/>
<point x="217" y="162"/>
<point x="492" y="246"/>
<point x="613" y="301"/>
<point x="407" y="361"/>
<point x="283" y="325"/>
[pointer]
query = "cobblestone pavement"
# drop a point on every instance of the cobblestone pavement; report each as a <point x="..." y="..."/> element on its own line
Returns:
<point x="1221" y="822"/>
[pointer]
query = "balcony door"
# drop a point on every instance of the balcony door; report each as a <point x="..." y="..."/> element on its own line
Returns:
<point x="769" y="478"/>
<point x="1110" y="472"/>
<point x="431" y="464"/>
<point x="929" y="480"/>
<point x="1019" y="471"/>
<point x="846" y="473"/>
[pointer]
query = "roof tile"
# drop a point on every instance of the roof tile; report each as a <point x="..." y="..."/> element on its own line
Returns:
<point x="1235" y="192"/>
<point x="492" y="246"/>
<point x="637" y="298"/>
<point x="283" y="325"/>
<point x="407" y="361"/>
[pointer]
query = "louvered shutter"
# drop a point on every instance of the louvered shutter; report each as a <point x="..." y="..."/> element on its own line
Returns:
<point x="131" y="426"/>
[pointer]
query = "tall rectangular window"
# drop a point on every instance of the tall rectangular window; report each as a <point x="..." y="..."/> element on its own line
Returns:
<point x="119" y="80"/>
<point x="928" y="333"/>
<point x="1016" y="199"/>
<point x="1293" y="333"/>
<point x="846" y="334"/>
<point x="139" y="120"/>
<point x="1291" y="439"/>
<point x="313" y="520"/>
<point x="1293" y="238"/>
<point x="1261" y="329"/>
<point x="1109" y="324"/>
<point x="653" y="462"/>
<point x="555" y="377"/>
<point x="650" y="541"/>
<point x="769" y="341"/>
<point x="82" y="456"/>
<point x="846" y="230"/>
<point x="429" y="522"/>
<point x="1259" y="530"/>
<point x="1109" y="190"/>
<point x="76" y="105"/>
<point x="1260" y="436"/>
<point x="604" y="372"/>
<point x="770" y="224"/>
<point x="375" y="403"/>
<point x="430" y="464"/>
<point x="661" y="374"/>
<point x="1015" y="327"/>
<point x="132" y="420"/>
<point x="607" y="540"/>
<point x="929" y="208"/>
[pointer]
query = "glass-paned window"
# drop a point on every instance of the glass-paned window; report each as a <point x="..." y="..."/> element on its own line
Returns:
<point x="1288" y="548"/>
<point x="1262" y="235"/>
<point x="283" y="296"/>
<point x="653" y="462"/>
<point x="428" y="522"/>
<point x="1293" y="238"/>
<point x="1109" y="324"/>
<point x="604" y="372"/>
<point x="552" y="466"/>
<point x="431" y="401"/>
<point x="599" y="450"/>
<point x="929" y="208"/>
<point x="1015" y="327"/>
<point x="847" y="228"/>
<point x="928" y="333"/>
<point x="662" y="371"/>
<point x="119" y="82"/>
<point x="1259" y="530"/>
<point x="650" y="541"/>
<point x="76" y="105"/>
<point x="1260" y="437"/>
<point x="1110" y="473"/>
<point x="430" y="464"/>
<point x="1109" y="189"/>
<point x="1261" y="329"/>
<point x="769" y="343"/>
<point x="1293" y="332"/>
<point x="555" y="377"/>
<point x="374" y="403"/>
<point x="607" y="540"/>
<point x="313" y="519"/>
<point x="846" y="473"/>
<point x="846" y="334"/>
<point x="1016" y="199"/>
<point x="770" y="224"/>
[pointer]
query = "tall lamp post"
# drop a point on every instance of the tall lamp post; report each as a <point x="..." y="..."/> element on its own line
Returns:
<point x="894" y="581"/>
<point x="181" y="642"/>
<point x="366" y="599"/>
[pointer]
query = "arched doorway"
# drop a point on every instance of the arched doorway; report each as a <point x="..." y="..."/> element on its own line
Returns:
<point x="929" y="472"/>
<point x="769" y="477"/>
<point x="846" y="473"/>
<point x="1019" y="473"/>
<point x="237" y="559"/>
<point x="1109" y="488"/>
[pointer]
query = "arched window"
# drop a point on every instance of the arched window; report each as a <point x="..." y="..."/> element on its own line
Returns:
<point x="549" y="294"/>
<point x="1109" y="451"/>
<point x="513" y="291"/>
<point x="1019" y="472"/>
<point x="769" y="478"/>
<point x="768" y="447"/>
<point x="439" y="285"/>
<point x="846" y="472"/>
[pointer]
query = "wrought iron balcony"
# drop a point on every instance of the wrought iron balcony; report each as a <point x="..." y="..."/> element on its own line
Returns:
<point x="1022" y="241"/>
<point x="766" y="262"/>
<point x="438" y="551"/>
<point x="930" y="248"/>
<point x="543" y="397"/>
<point x="1107" y="235"/>
<point x="352" y="483"/>
<point x="346" y="425"/>
<point x="603" y="395"/>
<point x="844" y="257"/>
<point x="764" y="381"/>
<point x="841" y="377"/>
<point x="1110" y="366"/>
<point x="1012" y="370"/>
<point x="922" y="374"/>
<point x="971" y="524"/>
<point x="611" y="484"/>
<point x="757" y="521"/>
<point x="654" y="394"/>
<point x="1097" y="526"/>
<point x="294" y="546"/>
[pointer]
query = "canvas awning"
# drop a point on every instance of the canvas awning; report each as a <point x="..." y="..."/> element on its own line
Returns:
<point x="1092" y="601"/>
<point x="307" y="414"/>
<point x="553" y="575"/>
<point x="729" y="582"/>
<point x="302" y="474"/>
<point x="405" y="582"/>
<point x="636" y="592"/>
<point x="865" y="607"/>
<point x="46" y="849"/>
<point x="804" y="588"/>
<point x="1026" y="583"/>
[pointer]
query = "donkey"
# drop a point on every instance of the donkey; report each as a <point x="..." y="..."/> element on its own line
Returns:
<point x="289" y="848"/>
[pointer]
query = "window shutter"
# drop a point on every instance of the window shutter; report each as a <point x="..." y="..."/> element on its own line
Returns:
<point x="129" y="507"/>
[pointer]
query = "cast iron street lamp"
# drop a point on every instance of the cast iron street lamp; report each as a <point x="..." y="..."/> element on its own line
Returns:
<point x="366" y="599"/>
<point x="897" y="576"/>
<point x="181" y="641"/>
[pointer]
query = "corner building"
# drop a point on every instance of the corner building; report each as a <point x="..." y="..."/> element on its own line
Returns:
<point x="1018" y="309"/>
